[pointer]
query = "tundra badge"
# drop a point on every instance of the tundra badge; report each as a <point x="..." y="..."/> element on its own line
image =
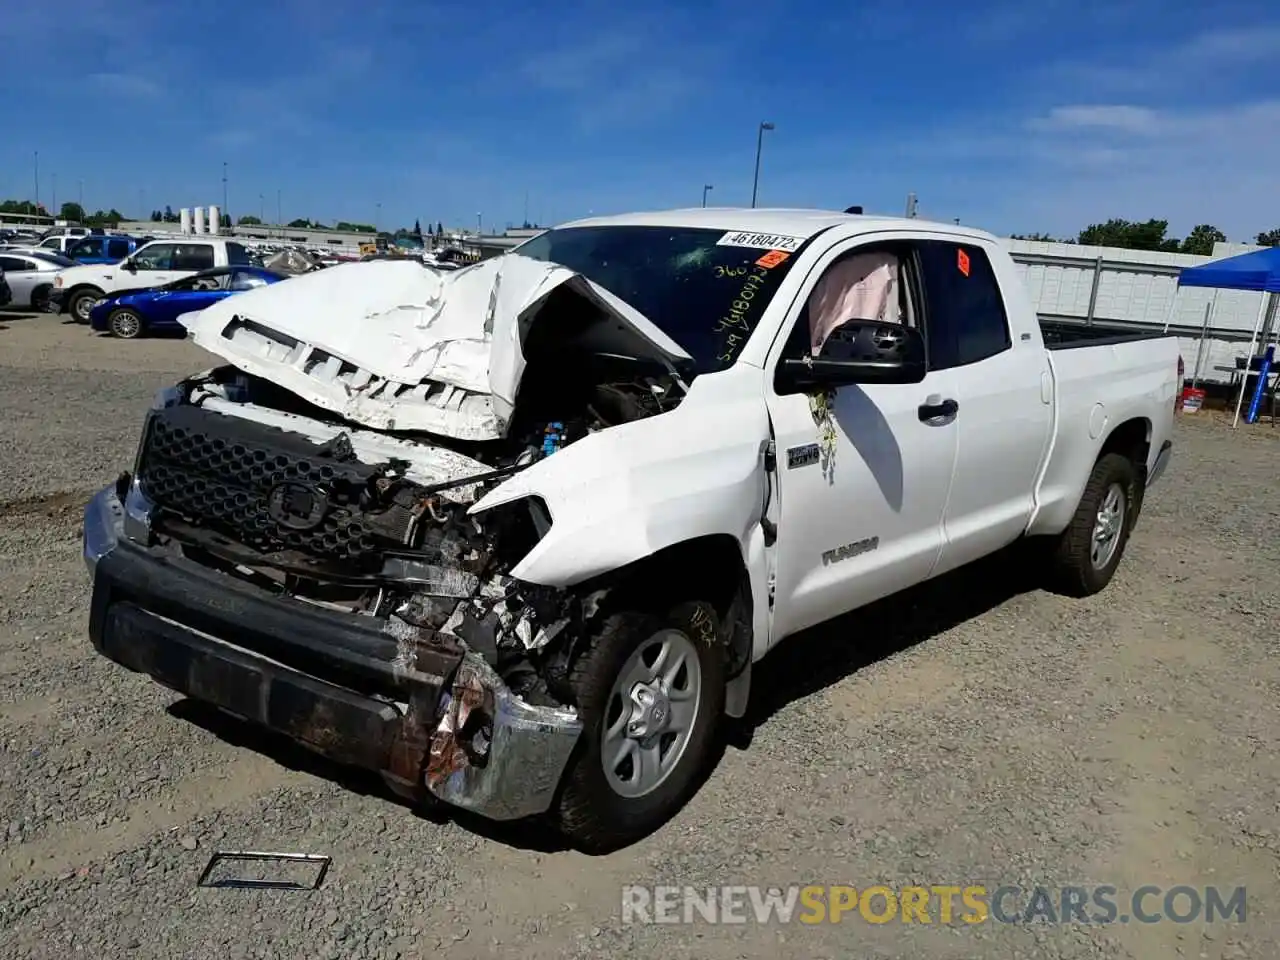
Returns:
<point x="802" y="456"/>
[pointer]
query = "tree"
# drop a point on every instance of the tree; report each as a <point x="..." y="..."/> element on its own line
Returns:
<point x="439" y="229"/>
<point x="224" y="219"/>
<point x="73" y="212"/>
<point x="1269" y="238"/>
<point x="157" y="216"/>
<point x="169" y="216"/>
<point x="1201" y="239"/>
<point x="299" y="223"/>
<point x="354" y="227"/>
<point x="1042" y="237"/>
<point x="22" y="207"/>
<point x="1130" y="235"/>
<point x="249" y="221"/>
<point x="417" y="230"/>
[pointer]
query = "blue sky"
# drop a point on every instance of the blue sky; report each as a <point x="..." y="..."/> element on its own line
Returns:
<point x="1011" y="115"/>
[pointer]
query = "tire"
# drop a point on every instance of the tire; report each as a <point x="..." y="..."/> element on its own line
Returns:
<point x="81" y="302"/>
<point x="125" y="324"/>
<point x="599" y="812"/>
<point x="40" y="299"/>
<point x="1077" y="569"/>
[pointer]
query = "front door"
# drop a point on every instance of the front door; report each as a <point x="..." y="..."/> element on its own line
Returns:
<point x="863" y="476"/>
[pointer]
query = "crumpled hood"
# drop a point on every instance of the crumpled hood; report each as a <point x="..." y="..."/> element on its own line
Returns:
<point x="395" y="345"/>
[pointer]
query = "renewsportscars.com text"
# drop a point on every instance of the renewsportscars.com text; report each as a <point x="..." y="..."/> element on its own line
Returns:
<point x="934" y="904"/>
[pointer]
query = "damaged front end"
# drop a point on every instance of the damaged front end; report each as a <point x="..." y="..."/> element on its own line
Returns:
<point x="329" y="581"/>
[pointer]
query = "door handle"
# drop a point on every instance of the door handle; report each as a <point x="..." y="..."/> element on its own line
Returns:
<point x="935" y="408"/>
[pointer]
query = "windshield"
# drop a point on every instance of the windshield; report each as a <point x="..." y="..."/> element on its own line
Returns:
<point x="699" y="286"/>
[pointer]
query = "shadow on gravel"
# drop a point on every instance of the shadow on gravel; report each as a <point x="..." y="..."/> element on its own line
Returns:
<point x="528" y="835"/>
<point x="822" y="656"/>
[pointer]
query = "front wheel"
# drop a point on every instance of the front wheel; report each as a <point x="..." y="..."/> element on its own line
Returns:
<point x="650" y="690"/>
<point x="1089" y="550"/>
<point x="125" y="324"/>
<point x="81" y="304"/>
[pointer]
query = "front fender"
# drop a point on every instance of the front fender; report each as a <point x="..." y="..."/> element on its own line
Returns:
<point x="626" y="493"/>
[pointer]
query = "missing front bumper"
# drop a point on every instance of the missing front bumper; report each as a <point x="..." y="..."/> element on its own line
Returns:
<point x="334" y="683"/>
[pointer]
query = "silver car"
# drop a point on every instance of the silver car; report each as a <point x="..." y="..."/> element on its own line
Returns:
<point x="30" y="276"/>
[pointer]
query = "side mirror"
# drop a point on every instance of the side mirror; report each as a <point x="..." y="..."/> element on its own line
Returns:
<point x="129" y="265"/>
<point x="857" y="351"/>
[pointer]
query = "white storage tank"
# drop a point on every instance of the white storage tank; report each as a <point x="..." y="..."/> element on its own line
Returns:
<point x="215" y="221"/>
<point x="184" y="221"/>
<point x="198" y="225"/>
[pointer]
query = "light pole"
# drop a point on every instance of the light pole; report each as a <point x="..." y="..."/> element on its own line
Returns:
<point x="37" y="201"/>
<point x="225" y="212"/>
<point x="479" y="225"/>
<point x="377" y="218"/>
<point x="53" y="202"/>
<point x="755" y="184"/>
<point x="262" y="209"/>
<point x="279" y="215"/>
<point x="706" y="188"/>
<point x="81" y="200"/>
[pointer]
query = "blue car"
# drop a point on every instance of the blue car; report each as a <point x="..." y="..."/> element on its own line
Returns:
<point x="130" y="313"/>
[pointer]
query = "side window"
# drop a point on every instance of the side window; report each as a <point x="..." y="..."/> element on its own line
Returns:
<point x="13" y="265"/>
<point x="53" y="243"/>
<point x="237" y="255"/>
<point x="868" y="283"/>
<point x="966" y="318"/>
<point x="193" y="256"/>
<point x="118" y="249"/>
<point x="156" y="256"/>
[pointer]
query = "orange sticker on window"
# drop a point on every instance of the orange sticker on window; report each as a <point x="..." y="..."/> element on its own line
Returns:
<point x="962" y="261"/>
<point x="772" y="259"/>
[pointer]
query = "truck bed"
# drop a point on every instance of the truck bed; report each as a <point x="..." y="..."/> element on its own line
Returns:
<point x="1066" y="335"/>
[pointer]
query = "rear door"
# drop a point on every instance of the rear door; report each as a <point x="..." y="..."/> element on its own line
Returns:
<point x="1004" y="390"/>
<point x="22" y="277"/>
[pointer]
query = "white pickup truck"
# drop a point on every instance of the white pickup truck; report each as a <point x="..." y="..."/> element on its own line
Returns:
<point x="77" y="289"/>
<point x="514" y="536"/>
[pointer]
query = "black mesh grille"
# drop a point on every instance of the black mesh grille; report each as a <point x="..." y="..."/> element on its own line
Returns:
<point x="266" y="488"/>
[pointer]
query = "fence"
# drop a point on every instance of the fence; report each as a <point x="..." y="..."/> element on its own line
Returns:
<point x="1134" y="288"/>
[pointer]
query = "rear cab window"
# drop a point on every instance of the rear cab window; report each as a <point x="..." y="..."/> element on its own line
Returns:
<point x="966" y="319"/>
<point x="193" y="256"/>
<point x="237" y="255"/>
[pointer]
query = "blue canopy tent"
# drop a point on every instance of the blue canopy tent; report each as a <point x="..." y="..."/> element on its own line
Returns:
<point x="1259" y="270"/>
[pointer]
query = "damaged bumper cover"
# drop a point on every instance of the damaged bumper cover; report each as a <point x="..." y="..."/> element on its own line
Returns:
<point x="447" y="725"/>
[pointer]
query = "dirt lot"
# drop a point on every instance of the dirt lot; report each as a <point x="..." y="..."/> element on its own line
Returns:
<point x="973" y="731"/>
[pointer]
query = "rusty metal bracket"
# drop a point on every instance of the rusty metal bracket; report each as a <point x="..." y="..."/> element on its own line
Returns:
<point x="321" y="860"/>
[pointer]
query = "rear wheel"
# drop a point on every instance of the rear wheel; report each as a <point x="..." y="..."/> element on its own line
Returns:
<point x="125" y="324"/>
<point x="1089" y="550"/>
<point x="650" y="690"/>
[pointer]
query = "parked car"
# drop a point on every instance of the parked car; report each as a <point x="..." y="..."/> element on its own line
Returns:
<point x="514" y="536"/>
<point x="131" y="313"/>
<point x="102" y="249"/>
<point x="5" y="295"/>
<point x="31" y="276"/>
<point x="78" y="288"/>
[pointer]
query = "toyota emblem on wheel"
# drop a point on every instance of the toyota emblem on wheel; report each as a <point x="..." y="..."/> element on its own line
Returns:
<point x="298" y="506"/>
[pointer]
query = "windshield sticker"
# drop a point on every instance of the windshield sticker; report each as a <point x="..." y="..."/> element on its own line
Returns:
<point x="962" y="261"/>
<point x="772" y="259"/>
<point x="760" y="241"/>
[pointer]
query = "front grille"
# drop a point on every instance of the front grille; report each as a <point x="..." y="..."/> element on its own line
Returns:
<point x="265" y="488"/>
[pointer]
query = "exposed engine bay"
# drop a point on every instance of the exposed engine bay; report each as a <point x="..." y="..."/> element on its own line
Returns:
<point x="257" y="483"/>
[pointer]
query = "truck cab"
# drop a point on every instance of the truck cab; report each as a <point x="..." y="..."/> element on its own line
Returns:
<point x="102" y="248"/>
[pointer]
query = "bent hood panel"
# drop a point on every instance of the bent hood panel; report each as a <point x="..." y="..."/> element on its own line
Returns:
<point x="394" y="345"/>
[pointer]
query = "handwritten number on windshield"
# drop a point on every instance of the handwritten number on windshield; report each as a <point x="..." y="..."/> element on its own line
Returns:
<point x="735" y="325"/>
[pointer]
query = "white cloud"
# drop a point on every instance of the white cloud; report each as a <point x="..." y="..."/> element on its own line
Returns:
<point x="129" y="85"/>
<point x="1119" y="118"/>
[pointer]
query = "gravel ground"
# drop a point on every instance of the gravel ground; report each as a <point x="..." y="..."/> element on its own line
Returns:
<point x="973" y="731"/>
